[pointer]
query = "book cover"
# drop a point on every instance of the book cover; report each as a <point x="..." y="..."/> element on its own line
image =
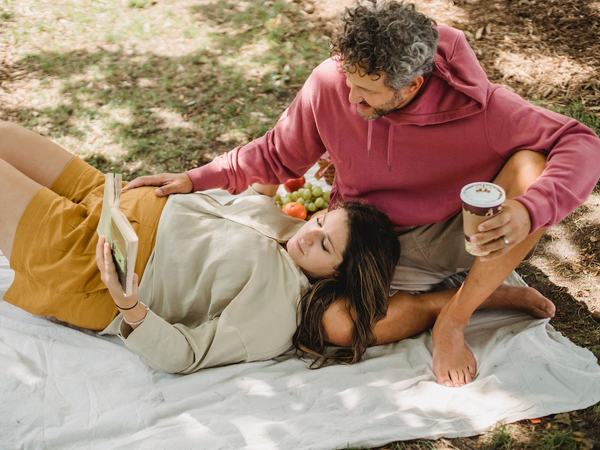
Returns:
<point x="118" y="231"/>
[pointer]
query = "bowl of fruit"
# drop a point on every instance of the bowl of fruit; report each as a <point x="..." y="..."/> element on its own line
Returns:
<point x="302" y="199"/>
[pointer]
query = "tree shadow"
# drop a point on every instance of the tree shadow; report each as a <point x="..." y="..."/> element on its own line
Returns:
<point x="573" y="318"/>
<point x="174" y="113"/>
<point x="569" y="28"/>
<point x="536" y="29"/>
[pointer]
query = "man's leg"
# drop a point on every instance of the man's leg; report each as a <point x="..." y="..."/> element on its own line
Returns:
<point x="453" y="363"/>
<point x="37" y="157"/>
<point x="16" y="191"/>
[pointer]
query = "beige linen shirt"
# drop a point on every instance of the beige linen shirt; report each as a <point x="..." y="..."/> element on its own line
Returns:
<point x="220" y="286"/>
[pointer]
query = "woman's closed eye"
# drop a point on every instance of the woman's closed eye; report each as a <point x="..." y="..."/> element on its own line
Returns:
<point x="320" y="223"/>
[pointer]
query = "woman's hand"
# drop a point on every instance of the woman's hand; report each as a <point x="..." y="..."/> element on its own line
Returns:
<point x="108" y="275"/>
<point x="170" y="183"/>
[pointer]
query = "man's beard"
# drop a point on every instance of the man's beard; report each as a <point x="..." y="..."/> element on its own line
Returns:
<point x="387" y="108"/>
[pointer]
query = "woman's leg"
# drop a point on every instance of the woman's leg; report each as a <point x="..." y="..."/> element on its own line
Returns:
<point x="38" y="158"/>
<point x="412" y="314"/>
<point x="16" y="191"/>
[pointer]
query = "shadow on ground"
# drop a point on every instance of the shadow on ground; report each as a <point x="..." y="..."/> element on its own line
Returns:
<point x="173" y="113"/>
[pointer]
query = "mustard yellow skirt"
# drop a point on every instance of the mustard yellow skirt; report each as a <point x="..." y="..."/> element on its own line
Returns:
<point x="54" y="251"/>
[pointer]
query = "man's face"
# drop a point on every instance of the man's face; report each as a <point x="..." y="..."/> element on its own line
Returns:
<point x="371" y="96"/>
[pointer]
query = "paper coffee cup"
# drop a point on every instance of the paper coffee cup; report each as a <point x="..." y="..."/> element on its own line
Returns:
<point x="480" y="201"/>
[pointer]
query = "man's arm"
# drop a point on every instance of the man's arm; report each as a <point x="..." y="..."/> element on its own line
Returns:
<point x="572" y="150"/>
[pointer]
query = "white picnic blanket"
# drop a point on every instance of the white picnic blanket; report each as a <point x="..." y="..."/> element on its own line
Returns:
<point x="62" y="388"/>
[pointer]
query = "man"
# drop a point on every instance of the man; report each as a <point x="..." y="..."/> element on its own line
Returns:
<point x="408" y="118"/>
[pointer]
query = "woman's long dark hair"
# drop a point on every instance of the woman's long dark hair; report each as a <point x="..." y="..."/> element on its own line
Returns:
<point x="362" y="279"/>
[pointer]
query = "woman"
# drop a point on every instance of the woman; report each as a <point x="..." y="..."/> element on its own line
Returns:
<point x="223" y="275"/>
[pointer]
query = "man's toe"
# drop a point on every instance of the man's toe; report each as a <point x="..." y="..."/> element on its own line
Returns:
<point x="468" y="377"/>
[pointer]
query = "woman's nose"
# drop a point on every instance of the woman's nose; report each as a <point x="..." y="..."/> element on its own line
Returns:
<point x="311" y="236"/>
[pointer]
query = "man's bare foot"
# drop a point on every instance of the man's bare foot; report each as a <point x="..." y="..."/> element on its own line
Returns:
<point x="453" y="362"/>
<point x="525" y="299"/>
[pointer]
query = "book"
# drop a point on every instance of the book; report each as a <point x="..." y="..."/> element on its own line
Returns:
<point x="118" y="231"/>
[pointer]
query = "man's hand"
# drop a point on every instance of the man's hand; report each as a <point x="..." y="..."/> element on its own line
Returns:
<point x="502" y="232"/>
<point x="170" y="183"/>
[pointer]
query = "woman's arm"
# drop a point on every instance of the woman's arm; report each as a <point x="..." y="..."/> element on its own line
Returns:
<point x="407" y="315"/>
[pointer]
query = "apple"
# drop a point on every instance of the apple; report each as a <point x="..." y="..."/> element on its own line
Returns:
<point x="293" y="184"/>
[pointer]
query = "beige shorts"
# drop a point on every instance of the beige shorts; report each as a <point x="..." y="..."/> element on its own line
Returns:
<point x="430" y="254"/>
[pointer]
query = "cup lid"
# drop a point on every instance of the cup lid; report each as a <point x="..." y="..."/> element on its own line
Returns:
<point x="482" y="194"/>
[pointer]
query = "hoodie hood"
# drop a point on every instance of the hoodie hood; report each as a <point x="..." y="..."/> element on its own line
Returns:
<point x="457" y="88"/>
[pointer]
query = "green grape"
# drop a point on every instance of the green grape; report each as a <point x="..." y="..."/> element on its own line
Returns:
<point x="294" y="195"/>
<point x="307" y="185"/>
<point x="307" y="195"/>
<point x="300" y="200"/>
<point x="317" y="191"/>
<point x="285" y="200"/>
<point x="277" y="198"/>
<point x="320" y="203"/>
<point x="311" y="207"/>
<point x="326" y="196"/>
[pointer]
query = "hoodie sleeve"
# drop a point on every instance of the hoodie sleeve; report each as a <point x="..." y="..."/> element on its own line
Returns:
<point x="572" y="151"/>
<point x="286" y="151"/>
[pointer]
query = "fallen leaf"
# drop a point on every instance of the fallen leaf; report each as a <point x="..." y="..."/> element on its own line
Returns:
<point x="479" y="33"/>
<point x="563" y="418"/>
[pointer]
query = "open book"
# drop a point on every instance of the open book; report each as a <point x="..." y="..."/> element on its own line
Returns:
<point x="118" y="232"/>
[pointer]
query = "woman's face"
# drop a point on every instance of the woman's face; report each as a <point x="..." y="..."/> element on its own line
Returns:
<point x="318" y="246"/>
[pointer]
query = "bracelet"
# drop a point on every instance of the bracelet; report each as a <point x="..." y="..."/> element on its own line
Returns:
<point x="135" y="324"/>
<point x="126" y="309"/>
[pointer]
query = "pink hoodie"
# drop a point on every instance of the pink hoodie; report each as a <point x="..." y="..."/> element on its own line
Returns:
<point x="412" y="163"/>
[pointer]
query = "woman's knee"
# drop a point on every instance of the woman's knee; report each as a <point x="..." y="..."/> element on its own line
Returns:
<point x="8" y="133"/>
<point x="7" y="129"/>
<point x="521" y="171"/>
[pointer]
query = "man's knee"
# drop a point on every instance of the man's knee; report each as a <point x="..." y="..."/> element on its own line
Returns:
<point x="520" y="172"/>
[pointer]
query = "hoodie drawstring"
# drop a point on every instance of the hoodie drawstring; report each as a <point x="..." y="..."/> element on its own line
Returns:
<point x="389" y="147"/>
<point x="389" y="143"/>
<point x="369" y="134"/>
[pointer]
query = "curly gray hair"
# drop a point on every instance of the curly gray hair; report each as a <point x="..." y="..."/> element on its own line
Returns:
<point x="386" y="37"/>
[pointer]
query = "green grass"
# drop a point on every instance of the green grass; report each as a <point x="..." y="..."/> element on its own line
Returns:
<point x="218" y="104"/>
<point x="558" y="440"/>
<point x="6" y="16"/>
<point x="501" y="439"/>
<point x="579" y="112"/>
<point x="139" y="3"/>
